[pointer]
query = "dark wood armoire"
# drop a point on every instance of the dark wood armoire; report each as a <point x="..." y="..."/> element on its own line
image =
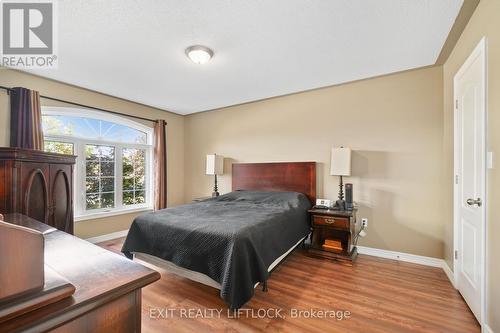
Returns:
<point x="39" y="185"/>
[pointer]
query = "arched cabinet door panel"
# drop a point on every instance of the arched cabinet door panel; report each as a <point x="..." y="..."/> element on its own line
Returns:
<point x="61" y="201"/>
<point x="36" y="200"/>
<point x="39" y="185"/>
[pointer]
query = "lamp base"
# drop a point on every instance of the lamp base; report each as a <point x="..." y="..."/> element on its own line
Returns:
<point x="215" y="193"/>
<point x="339" y="205"/>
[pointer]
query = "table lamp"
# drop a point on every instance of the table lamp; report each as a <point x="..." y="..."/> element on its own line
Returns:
<point x="215" y="166"/>
<point x="340" y="165"/>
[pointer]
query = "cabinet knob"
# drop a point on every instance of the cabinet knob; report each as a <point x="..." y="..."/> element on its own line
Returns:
<point x="330" y="221"/>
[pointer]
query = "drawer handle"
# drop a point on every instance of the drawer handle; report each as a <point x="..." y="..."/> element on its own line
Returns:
<point x="330" y="221"/>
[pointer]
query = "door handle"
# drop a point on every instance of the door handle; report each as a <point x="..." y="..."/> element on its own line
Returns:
<point x="472" y="202"/>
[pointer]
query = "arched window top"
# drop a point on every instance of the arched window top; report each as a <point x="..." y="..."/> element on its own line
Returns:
<point x="94" y="125"/>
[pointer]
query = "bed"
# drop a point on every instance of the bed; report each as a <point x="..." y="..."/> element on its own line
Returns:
<point x="231" y="242"/>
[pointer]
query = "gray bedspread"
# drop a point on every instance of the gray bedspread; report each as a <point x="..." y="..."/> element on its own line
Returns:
<point x="233" y="238"/>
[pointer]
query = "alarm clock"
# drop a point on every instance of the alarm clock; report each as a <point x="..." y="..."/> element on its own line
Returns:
<point x="323" y="203"/>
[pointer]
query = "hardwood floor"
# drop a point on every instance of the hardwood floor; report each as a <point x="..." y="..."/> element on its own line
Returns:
<point x="381" y="295"/>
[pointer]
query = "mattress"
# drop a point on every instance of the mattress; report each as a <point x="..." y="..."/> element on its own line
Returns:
<point x="200" y="277"/>
<point x="233" y="239"/>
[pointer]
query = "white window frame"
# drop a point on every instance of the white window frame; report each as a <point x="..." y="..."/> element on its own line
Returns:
<point x="79" y="196"/>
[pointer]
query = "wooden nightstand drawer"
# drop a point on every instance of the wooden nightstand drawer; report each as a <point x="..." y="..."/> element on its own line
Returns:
<point x="333" y="234"/>
<point x="336" y="222"/>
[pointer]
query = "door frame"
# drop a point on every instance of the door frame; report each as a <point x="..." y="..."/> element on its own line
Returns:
<point x="479" y="50"/>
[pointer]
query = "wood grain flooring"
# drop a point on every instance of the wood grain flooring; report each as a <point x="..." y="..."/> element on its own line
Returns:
<point x="381" y="295"/>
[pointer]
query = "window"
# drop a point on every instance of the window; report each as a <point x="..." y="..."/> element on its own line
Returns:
<point x="99" y="177"/>
<point x="59" y="147"/>
<point x="134" y="184"/>
<point x="113" y="171"/>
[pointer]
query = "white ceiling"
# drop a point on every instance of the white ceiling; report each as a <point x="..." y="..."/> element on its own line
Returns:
<point x="135" y="49"/>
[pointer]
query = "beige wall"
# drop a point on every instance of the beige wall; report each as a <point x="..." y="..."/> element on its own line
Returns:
<point x="484" y="22"/>
<point x="393" y="124"/>
<point x="175" y="137"/>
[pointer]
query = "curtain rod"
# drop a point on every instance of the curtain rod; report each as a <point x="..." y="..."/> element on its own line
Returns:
<point x="10" y="90"/>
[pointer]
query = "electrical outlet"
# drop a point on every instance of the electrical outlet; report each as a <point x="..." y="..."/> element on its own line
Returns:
<point x="364" y="222"/>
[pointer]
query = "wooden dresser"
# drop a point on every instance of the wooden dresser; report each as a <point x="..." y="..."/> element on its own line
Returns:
<point x="107" y="296"/>
<point x="333" y="234"/>
<point x="39" y="185"/>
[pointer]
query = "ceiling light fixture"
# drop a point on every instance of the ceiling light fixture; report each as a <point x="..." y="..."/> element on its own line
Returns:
<point x="199" y="54"/>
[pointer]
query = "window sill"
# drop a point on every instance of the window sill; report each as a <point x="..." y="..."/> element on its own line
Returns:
<point x="101" y="215"/>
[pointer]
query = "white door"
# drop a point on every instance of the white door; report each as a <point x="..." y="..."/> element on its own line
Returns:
<point x="470" y="178"/>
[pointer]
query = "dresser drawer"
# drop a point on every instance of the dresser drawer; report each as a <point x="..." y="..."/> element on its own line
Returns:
<point x="337" y="222"/>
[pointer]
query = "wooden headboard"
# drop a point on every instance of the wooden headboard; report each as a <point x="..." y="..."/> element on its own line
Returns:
<point x="282" y="176"/>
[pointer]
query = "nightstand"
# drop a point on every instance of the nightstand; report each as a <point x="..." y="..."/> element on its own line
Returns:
<point x="333" y="234"/>
<point x="200" y="199"/>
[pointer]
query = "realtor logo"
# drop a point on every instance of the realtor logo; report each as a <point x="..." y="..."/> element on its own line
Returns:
<point x="28" y="34"/>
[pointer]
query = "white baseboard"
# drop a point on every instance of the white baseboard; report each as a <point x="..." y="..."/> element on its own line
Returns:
<point x="487" y="329"/>
<point x="103" y="238"/>
<point x="449" y="273"/>
<point x="413" y="258"/>
<point x="401" y="256"/>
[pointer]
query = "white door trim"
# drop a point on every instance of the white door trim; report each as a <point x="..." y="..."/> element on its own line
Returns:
<point x="480" y="50"/>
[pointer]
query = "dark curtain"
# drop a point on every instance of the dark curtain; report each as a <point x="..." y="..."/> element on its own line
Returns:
<point x="25" y="119"/>
<point x="160" y="167"/>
